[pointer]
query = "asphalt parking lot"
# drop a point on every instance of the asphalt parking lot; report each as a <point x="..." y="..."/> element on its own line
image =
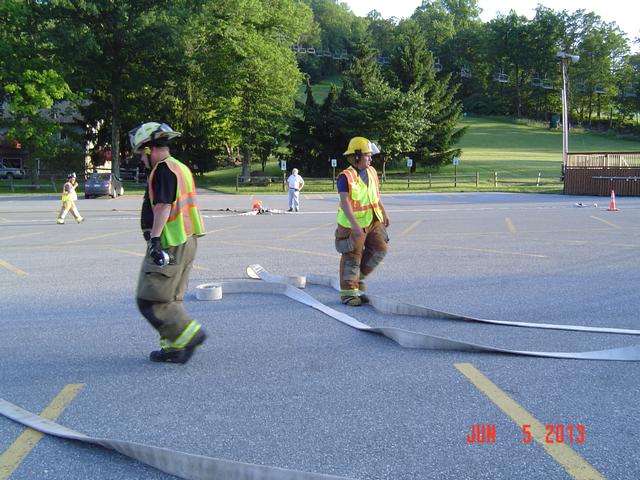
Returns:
<point x="280" y="384"/>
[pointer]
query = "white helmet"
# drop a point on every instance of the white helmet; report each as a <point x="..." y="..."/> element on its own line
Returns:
<point x="374" y="149"/>
<point x="150" y="132"/>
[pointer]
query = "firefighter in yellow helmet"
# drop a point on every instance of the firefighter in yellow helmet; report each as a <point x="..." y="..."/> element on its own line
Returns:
<point x="171" y="222"/>
<point x="361" y="236"/>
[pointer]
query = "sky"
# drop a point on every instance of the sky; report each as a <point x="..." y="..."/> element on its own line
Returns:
<point x="626" y="13"/>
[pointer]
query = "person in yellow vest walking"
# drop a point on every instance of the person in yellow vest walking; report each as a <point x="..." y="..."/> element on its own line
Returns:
<point x="171" y="222"/>
<point x="69" y="197"/>
<point x="361" y="236"/>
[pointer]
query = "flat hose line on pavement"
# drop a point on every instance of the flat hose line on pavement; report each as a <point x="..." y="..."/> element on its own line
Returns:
<point x="276" y="284"/>
<point x="180" y="464"/>
<point x="191" y="466"/>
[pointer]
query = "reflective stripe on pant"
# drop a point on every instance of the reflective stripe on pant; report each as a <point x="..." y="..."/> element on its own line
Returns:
<point x="365" y="254"/>
<point x="161" y="290"/>
<point x="66" y="206"/>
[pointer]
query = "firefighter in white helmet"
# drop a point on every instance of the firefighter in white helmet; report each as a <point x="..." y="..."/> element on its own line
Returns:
<point x="361" y="236"/>
<point x="171" y="222"/>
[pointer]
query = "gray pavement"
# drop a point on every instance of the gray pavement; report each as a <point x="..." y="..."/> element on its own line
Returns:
<point x="281" y="384"/>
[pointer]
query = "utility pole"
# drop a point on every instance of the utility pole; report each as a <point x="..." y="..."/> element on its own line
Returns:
<point x="564" y="59"/>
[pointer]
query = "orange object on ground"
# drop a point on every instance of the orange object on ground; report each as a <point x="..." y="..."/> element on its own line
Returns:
<point x="257" y="205"/>
<point x="612" y="202"/>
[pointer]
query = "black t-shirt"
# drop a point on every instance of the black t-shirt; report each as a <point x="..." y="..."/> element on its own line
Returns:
<point x="165" y="185"/>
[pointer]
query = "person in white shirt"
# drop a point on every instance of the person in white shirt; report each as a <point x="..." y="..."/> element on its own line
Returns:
<point x="296" y="183"/>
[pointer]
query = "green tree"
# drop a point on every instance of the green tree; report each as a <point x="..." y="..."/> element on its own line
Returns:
<point x="249" y="71"/>
<point x="35" y="94"/>
<point x="113" y="51"/>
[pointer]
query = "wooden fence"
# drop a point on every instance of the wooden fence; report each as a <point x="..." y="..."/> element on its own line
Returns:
<point x="408" y="182"/>
<point x="599" y="173"/>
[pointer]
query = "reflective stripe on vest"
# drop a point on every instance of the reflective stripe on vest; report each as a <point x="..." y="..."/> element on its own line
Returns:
<point x="66" y="196"/>
<point x="364" y="199"/>
<point x="184" y="218"/>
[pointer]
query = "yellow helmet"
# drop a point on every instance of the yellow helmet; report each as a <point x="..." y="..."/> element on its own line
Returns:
<point x="358" y="145"/>
<point x="150" y="132"/>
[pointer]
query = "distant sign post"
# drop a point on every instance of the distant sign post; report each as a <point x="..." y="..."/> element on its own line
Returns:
<point x="283" y="167"/>
<point x="456" y="162"/>
<point x="334" y="164"/>
<point x="409" y="165"/>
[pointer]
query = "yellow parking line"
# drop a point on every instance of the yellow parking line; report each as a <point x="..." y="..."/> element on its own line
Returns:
<point x="13" y="269"/>
<point x="278" y="249"/>
<point x="571" y="461"/>
<point x="410" y="227"/>
<point x="18" y="451"/>
<point x="138" y="254"/>
<point x="20" y="236"/>
<point x="86" y="239"/>
<point x="604" y="221"/>
<point x="510" y="225"/>
<point x="488" y="250"/>
<point x="222" y="229"/>
<point x="308" y="230"/>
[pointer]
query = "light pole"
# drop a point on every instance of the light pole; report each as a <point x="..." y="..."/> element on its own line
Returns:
<point x="564" y="58"/>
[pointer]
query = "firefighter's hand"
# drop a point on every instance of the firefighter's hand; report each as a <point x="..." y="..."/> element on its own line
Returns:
<point x="155" y="251"/>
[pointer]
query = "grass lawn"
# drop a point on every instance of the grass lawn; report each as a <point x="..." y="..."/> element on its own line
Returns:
<point x="320" y="90"/>
<point x="517" y="151"/>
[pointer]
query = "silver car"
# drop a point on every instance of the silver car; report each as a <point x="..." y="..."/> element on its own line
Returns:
<point x="103" y="184"/>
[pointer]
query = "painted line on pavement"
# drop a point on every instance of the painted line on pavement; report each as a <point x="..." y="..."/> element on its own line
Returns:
<point x="576" y="466"/>
<point x="138" y="254"/>
<point x="18" y="451"/>
<point x="11" y="268"/>
<point x="21" y="235"/>
<point x="510" y="225"/>
<point x="86" y="239"/>
<point x="487" y="250"/>
<point x="410" y="227"/>
<point x="278" y="249"/>
<point x="605" y="222"/>
<point x="308" y="230"/>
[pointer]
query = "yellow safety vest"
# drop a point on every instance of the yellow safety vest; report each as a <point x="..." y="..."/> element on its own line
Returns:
<point x="184" y="219"/>
<point x="365" y="200"/>
<point x="67" y="196"/>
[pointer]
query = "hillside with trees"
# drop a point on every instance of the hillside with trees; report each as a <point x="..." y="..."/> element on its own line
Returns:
<point x="227" y="74"/>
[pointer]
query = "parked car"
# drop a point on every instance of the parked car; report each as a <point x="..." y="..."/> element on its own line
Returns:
<point x="10" y="172"/>
<point x="103" y="184"/>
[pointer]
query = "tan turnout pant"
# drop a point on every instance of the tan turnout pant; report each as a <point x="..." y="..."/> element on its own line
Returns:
<point x="161" y="290"/>
<point x="359" y="256"/>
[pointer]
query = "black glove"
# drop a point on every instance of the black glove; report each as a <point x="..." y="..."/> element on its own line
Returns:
<point x="147" y="235"/>
<point x="155" y="252"/>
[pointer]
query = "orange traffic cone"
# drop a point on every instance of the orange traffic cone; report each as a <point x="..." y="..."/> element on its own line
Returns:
<point x="612" y="203"/>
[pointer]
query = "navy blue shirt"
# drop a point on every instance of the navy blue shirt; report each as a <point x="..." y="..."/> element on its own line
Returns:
<point x="343" y="184"/>
<point x="165" y="185"/>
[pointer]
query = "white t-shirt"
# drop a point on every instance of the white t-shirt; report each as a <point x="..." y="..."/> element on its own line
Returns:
<point x="71" y="191"/>
<point x="295" y="181"/>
